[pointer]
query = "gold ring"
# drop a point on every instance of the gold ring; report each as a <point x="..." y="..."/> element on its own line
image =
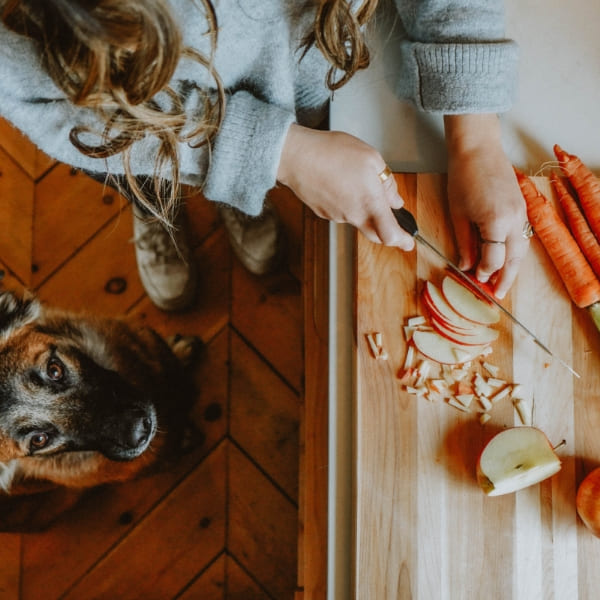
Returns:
<point x="384" y="175"/>
<point x="484" y="241"/>
<point x="527" y="230"/>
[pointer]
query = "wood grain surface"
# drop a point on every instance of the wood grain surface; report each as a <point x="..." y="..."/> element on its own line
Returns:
<point x="423" y="527"/>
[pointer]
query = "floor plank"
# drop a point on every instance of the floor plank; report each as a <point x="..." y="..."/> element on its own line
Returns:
<point x="147" y="566"/>
<point x="262" y="526"/>
<point x="264" y="416"/>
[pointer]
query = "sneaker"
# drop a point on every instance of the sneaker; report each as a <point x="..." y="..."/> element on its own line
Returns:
<point x="256" y="241"/>
<point x="165" y="262"/>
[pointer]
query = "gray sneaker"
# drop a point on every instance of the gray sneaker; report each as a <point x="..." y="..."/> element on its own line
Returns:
<point x="257" y="241"/>
<point x="165" y="264"/>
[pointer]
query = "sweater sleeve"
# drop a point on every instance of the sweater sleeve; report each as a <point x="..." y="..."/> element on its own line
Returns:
<point x="239" y="169"/>
<point x="455" y="58"/>
<point x="246" y="152"/>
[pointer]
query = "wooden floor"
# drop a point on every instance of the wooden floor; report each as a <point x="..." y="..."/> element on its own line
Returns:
<point x="224" y="522"/>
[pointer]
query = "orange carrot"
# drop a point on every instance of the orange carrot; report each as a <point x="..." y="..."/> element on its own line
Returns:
<point x="586" y="185"/>
<point x="577" y="223"/>
<point x="574" y="270"/>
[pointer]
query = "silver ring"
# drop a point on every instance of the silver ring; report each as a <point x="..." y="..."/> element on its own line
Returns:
<point x="527" y="231"/>
<point x="385" y="174"/>
<point x="484" y="241"/>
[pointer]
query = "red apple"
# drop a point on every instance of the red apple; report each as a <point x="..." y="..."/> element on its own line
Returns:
<point x="466" y="304"/>
<point x="588" y="501"/>
<point x="515" y="459"/>
<point x="437" y="304"/>
<point x="470" y="281"/>
<point x="479" y="337"/>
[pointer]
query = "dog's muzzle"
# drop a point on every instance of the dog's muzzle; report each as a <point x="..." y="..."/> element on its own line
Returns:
<point x="132" y="435"/>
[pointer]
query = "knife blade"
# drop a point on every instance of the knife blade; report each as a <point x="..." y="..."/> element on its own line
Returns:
<point x="407" y="221"/>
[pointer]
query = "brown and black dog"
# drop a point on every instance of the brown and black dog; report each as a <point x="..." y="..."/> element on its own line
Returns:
<point x="83" y="400"/>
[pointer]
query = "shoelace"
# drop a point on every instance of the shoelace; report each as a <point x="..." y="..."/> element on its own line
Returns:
<point x="155" y="240"/>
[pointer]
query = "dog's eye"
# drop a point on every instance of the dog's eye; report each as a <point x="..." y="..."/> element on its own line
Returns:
<point x="39" y="440"/>
<point x="55" y="370"/>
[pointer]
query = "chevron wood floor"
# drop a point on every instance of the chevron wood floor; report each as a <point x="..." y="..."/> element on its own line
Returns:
<point x="223" y="523"/>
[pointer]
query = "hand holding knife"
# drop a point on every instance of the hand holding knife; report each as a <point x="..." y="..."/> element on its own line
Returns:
<point x="407" y="221"/>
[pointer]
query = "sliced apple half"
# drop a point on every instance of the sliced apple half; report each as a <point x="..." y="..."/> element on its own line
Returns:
<point x="515" y="459"/>
<point x="440" y="349"/>
<point x="466" y="303"/>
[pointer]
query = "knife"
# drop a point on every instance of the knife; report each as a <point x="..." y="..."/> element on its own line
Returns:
<point x="407" y="221"/>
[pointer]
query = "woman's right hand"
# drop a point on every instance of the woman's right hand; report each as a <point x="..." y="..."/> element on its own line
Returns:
<point x="337" y="176"/>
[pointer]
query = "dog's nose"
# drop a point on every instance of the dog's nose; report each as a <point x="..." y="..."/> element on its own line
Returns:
<point x="139" y="432"/>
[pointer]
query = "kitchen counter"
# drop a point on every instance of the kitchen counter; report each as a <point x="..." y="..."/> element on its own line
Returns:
<point x="559" y="93"/>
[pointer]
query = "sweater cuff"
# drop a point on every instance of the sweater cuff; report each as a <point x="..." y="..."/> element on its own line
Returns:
<point x="458" y="78"/>
<point x="246" y="153"/>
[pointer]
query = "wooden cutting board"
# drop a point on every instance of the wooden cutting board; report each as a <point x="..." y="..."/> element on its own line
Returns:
<point x="423" y="527"/>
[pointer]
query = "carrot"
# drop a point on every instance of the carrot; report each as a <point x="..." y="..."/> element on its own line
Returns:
<point x="574" y="270"/>
<point x="586" y="185"/>
<point x="578" y="225"/>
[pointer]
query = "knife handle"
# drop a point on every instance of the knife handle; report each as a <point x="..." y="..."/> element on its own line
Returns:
<point x="406" y="220"/>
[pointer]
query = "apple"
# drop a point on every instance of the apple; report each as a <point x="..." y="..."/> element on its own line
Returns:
<point x="441" y="350"/>
<point x="515" y="459"/>
<point x="588" y="501"/>
<point x="472" y="283"/>
<point x="436" y="303"/>
<point x="479" y="337"/>
<point x="467" y="304"/>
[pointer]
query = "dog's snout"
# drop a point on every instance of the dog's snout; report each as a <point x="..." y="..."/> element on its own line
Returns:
<point x="140" y="431"/>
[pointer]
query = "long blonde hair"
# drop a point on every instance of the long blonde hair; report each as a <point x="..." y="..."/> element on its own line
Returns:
<point x="114" y="56"/>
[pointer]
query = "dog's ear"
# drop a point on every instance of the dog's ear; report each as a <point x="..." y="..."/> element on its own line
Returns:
<point x="16" y="312"/>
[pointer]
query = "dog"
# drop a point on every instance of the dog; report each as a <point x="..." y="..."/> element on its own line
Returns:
<point x="84" y="401"/>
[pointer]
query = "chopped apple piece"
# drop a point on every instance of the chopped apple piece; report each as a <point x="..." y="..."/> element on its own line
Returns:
<point x="410" y="357"/>
<point x="408" y="332"/>
<point x="523" y="410"/>
<point x="485" y="403"/>
<point x="465" y="399"/>
<point x="466" y="304"/>
<point x="372" y="345"/>
<point x="514" y="459"/>
<point x="517" y="391"/>
<point x="490" y="368"/>
<point x="418" y="391"/>
<point x="457" y="404"/>
<point x="500" y="395"/>
<point x="416" y="321"/>
<point x="484" y="418"/>
<point x="496" y="383"/>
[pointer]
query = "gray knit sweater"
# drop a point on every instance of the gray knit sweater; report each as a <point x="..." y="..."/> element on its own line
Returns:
<point x="454" y="60"/>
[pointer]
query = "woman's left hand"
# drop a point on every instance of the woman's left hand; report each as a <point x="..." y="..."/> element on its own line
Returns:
<point x="486" y="205"/>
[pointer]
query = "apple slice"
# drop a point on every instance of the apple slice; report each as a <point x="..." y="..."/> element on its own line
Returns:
<point x="436" y="303"/>
<point x="588" y="501"/>
<point x="479" y="337"/>
<point x="473" y="284"/>
<point x="466" y="303"/>
<point x="515" y="459"/>
<point x="441" y="350"/>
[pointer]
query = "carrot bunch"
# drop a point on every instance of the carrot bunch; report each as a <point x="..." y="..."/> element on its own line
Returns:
<point x="573" y="247"/>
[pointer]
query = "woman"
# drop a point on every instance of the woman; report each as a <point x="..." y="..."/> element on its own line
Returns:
<point x="228" y="96"/>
